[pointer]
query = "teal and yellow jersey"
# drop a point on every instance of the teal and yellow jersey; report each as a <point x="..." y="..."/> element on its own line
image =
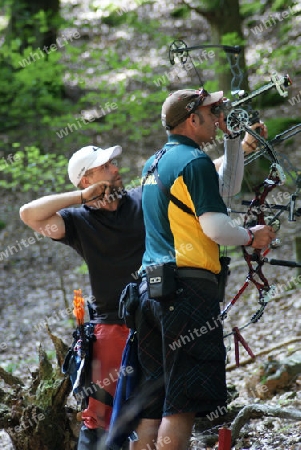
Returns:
<point x="172" y="235"/>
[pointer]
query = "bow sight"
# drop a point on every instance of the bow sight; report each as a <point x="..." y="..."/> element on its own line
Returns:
<point x="236" y="117"/>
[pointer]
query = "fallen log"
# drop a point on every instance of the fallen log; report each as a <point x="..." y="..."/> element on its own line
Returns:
<point x="34" y="415"/>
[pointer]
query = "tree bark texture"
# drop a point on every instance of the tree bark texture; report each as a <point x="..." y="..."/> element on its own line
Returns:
<point x="34" y="416"/>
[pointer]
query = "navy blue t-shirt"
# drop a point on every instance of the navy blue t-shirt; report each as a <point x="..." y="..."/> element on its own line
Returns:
<point x="111" y="243"/>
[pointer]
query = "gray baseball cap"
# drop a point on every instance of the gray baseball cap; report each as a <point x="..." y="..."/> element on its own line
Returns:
<point x="180" y="104"/>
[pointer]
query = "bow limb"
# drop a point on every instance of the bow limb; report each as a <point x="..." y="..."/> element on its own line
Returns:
<point x="256" y="216"/>
<point x="254" y="258"/>
<point x="266" y="149"/>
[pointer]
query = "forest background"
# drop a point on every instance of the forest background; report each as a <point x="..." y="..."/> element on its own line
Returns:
<point x="75" y="73"/>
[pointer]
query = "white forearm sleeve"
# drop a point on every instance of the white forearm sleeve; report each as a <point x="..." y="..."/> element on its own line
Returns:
<point x="222" y="230"/>
<point x="231" y="171"/>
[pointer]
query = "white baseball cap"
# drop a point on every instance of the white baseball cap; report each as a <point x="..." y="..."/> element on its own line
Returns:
<point x="88" y="158"/>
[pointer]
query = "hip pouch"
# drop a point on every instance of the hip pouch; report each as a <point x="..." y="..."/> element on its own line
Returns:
<point x="128" y="304"/>
<point x="161" y="282"/>
<point x="77" y="362"/>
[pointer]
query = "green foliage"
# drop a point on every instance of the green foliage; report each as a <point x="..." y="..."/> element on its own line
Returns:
<point x="31" y="76"/>
<point x="280" y="5"/>
<point x="232" y="39"/>
<point x="31" y="85"/>
<point x="51" y="355"/>
<point x="117" y="13"/>
<point x="285" y="59"/>
<point x="11" y="367"/>
<point x="134" y="111"/>
<point x="220" y="64"/>
<point x="275" y="18"/>
<point x="32" y="171"/>
<point x="181" y="12"/>
<point x="276" y="126"/>
<point x="82" y="269"/>
<point x="115" y="19"/>
<point x="250" y="8"/>
<point x="126" y="91"/>
<point x="270" y="98"/>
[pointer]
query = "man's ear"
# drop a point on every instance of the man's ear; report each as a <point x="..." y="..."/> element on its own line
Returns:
<point x="84" y="182"/>
<point x="192" y="119"/>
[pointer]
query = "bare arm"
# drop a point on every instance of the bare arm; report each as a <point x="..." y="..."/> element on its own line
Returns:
<point x="42" y="214"/>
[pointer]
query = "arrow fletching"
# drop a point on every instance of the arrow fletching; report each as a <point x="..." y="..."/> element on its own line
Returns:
<point x="79" y="306"/>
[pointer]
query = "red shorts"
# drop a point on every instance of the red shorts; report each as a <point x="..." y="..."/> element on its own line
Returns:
<point x="107" y="354"/>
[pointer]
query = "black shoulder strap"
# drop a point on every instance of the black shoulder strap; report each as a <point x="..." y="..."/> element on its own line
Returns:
<point x="153" y="170"/>
<point x="174" y="199"/>
<point x="150" y="171"/>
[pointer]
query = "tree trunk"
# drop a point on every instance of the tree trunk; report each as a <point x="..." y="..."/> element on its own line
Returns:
<point x="224" y="17"/>
<point x="223" y="20"/>
<point x="35" y="416"/>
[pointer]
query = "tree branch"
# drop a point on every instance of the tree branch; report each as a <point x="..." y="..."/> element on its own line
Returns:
<point x="256" y="411"/>
<point x="253" y="411"/>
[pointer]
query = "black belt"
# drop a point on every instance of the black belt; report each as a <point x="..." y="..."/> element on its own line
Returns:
<point x="187" y="272"/>
<point x="196" y="273"/>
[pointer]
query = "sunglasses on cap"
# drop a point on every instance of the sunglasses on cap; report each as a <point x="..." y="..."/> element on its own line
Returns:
<point x="198" y="101"/>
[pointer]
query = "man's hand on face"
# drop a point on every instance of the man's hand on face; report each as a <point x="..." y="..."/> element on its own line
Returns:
<point x="220" y="118"/>
<point x="221" y="123"/>
<point x="96" y="191"/>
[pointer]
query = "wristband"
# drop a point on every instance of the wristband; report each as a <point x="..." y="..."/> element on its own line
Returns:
<point x="251" y="238"/>
<point x="83" y="201"/>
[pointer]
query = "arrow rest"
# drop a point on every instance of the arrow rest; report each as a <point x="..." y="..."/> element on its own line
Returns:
<point x="273" y="222"/>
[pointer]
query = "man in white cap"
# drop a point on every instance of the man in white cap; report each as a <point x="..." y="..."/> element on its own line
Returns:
<point x="108" y="232"/>
<point x="179" y="328"/>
